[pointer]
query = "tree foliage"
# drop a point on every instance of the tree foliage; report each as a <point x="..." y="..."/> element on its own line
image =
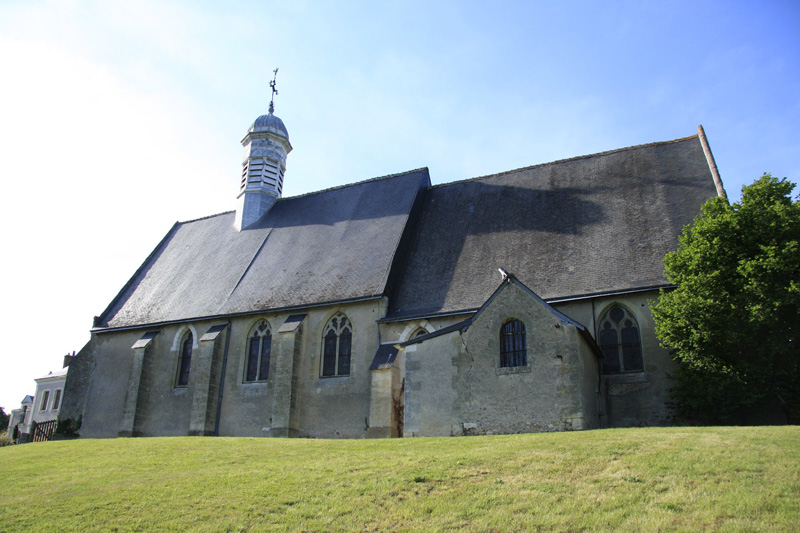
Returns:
<point x="3" y="420"/>
<point x="733" y="319"/>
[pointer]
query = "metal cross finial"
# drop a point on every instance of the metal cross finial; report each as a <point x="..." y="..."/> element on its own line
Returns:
<point x="274" y="91"/>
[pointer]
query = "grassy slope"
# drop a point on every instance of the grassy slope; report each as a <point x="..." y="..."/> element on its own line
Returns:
<point x="660" y="478"/>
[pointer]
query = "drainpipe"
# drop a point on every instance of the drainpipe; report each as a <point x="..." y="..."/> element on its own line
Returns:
<point x="601" y="399"/>
<point x="222" y="377"/>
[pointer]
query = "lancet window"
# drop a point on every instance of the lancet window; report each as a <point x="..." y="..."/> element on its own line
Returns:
<point x="620" y="342"/>
<point x="259" y="350"/>
<point x="336" y="345"/>
<point x="185" y="363"/>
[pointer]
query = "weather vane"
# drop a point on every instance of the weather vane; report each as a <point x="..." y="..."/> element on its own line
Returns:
<point x="274" y="91"/>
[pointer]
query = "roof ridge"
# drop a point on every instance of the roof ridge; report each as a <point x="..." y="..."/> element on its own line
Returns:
<point x="336" y="187"/>
<point x="569" y="159"/>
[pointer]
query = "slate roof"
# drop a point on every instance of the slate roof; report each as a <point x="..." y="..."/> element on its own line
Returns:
<point x="333" y="245"/>
<point x="594" y="224"/>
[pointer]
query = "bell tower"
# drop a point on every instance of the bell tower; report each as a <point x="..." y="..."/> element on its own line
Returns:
<point x="266" y="146"/>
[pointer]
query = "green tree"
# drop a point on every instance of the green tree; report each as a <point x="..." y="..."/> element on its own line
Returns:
<point x="3" y="420"/>
<point x="733" y="319"/>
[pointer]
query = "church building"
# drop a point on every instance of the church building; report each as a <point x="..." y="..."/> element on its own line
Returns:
<point x="515" y="302"/>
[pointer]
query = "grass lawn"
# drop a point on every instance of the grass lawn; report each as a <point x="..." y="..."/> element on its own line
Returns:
<point x="731" y="479"/>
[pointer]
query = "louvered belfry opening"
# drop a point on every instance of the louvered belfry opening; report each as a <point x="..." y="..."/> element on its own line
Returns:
<point x="263" y="173"/>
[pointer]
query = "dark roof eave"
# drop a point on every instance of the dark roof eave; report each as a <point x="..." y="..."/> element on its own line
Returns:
<point x="426" y="316"/>
<point x="608" y="293"/>
<point x="231" y="315"/>
<point x="555" y="300"/>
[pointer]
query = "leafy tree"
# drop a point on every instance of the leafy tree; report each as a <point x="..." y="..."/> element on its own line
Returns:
<point x="3" y="420"/>
<point x="734" y="317"/>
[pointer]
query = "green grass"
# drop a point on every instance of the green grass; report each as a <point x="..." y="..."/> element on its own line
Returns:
<point x="731" y="479"/>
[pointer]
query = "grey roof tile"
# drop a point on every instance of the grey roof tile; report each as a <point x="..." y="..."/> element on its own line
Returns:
<point x="587" y="225"/>
<point x="333" y="245"/>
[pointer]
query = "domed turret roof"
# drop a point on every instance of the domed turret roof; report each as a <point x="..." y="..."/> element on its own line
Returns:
<point x="269" y="122"/>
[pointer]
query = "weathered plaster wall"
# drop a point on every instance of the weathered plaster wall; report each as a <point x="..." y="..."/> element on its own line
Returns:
<point x="104" y="368"/>
<point x="165" y="408"/>
<point x="591" y="386"/>
<point x="77" y="385"/>
<point x="455" y="385"/>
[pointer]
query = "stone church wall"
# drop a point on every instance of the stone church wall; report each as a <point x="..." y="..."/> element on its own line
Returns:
<point x="295" y="401"/>
<point x="311" y="405"/>
<point x="337" y="407"/>
<point x="100" y="372"/>
<point x="637" y="398"/>
<point x="455" y="385"/>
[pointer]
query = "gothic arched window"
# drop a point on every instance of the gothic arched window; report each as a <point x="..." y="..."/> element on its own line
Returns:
<point x="259" y="349"/>
<point x="186" y="360"/>
<point x="513" y="346"/>
<point x="336" y="339"/>
<point x="618" y="333"/>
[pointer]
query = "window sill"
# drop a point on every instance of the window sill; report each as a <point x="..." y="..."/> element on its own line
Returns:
<point x="504" y="370"/>
<point x="629" y="377"/>
<point x="332" y="381"/>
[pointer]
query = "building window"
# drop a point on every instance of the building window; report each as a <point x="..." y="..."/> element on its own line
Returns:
<point x="45" y="399"/>
<point x="259" y="348"/>
<point x="57" y="400"/>
<point x="336" y="340"/>
<point x="513" y="348"/>
<point x="620" y="342"/>
<point x="421" y="332"/>
<point x="186" y="360"/>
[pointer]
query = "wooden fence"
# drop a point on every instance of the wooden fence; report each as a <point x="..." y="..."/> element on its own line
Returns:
<point x="43" y="431"/>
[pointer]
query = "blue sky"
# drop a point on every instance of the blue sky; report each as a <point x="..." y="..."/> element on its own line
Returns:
<point x="119" y="118"/>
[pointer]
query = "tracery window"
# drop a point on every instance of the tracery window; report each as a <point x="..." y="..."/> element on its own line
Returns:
<point x="259" y="349"/>
<point x="618" y="334"/>
<point x="186" y="360"/>
<point x="336" y="343"/>
<point x="419" y="333"/>
<point x="513" y="345"/>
